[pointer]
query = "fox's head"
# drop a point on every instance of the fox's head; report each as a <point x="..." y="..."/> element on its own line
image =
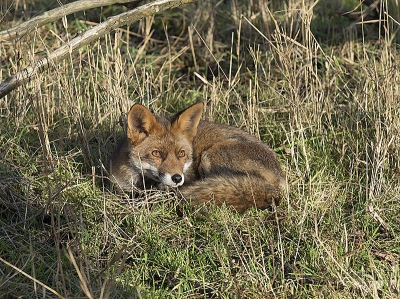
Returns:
<point x="161" y="148"/>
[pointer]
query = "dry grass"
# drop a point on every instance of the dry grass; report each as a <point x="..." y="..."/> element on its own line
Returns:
<point x="326" y="100"/>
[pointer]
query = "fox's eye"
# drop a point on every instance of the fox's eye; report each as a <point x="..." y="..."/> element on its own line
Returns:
<point x="156" y="154"/>
<point x="182" y="153"/>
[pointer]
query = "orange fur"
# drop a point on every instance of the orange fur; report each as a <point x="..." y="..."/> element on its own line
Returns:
<point x="208" y="162"/>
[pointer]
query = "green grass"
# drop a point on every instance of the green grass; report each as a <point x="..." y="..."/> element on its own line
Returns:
<point x="322" y="93"/>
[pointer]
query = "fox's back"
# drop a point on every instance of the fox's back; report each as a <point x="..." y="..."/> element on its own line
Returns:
<point x="232" y="149"/>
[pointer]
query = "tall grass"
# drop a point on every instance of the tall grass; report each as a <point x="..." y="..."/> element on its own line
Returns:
<point x="324" y="95"/>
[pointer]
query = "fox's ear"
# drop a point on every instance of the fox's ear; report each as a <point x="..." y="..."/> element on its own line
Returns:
<point x="186" y="121"/>
<point x="141" y="123"/>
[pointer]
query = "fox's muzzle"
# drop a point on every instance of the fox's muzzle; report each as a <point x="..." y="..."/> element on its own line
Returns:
<point x="175" y="180"/>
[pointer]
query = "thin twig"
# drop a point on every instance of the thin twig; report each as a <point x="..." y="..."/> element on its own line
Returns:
<point x="81" y="275"/>
<point x="30" y="277"/>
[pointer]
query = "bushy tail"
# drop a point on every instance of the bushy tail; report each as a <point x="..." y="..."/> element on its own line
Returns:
<point x="240" y="191"/>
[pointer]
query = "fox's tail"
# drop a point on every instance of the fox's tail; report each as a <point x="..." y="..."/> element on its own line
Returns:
<point x="240" y="191"/>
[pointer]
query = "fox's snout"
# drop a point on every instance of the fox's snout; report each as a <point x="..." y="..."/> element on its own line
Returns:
<point x="177" y="178"/>
<point x="174" y="180"/>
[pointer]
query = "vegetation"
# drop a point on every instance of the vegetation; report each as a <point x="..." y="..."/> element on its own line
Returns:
<point x="320" y="86"/>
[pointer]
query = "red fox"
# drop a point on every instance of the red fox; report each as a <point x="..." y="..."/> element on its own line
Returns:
<point x="208" y="162"/>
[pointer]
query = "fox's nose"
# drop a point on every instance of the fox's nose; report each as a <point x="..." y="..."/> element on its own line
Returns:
<point x="176" y="178"/>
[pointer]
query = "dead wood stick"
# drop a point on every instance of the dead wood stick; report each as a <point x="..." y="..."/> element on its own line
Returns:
<point x="55" y="14"/>
<point x="87" y="37"/>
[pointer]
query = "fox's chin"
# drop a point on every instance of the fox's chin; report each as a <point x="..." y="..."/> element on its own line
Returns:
<point x="172" y="184"/>
<point x="180" y="184"/>
<point x="176" y="185"/>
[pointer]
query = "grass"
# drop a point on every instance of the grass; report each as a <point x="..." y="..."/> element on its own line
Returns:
<point x="324" y="95"/>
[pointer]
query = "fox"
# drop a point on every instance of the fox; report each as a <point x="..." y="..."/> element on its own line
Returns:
<point x="206" y="162"/>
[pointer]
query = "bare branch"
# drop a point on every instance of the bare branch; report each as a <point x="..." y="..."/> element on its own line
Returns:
<point x="87" y="37"/>
<point x="55" y="14"/>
